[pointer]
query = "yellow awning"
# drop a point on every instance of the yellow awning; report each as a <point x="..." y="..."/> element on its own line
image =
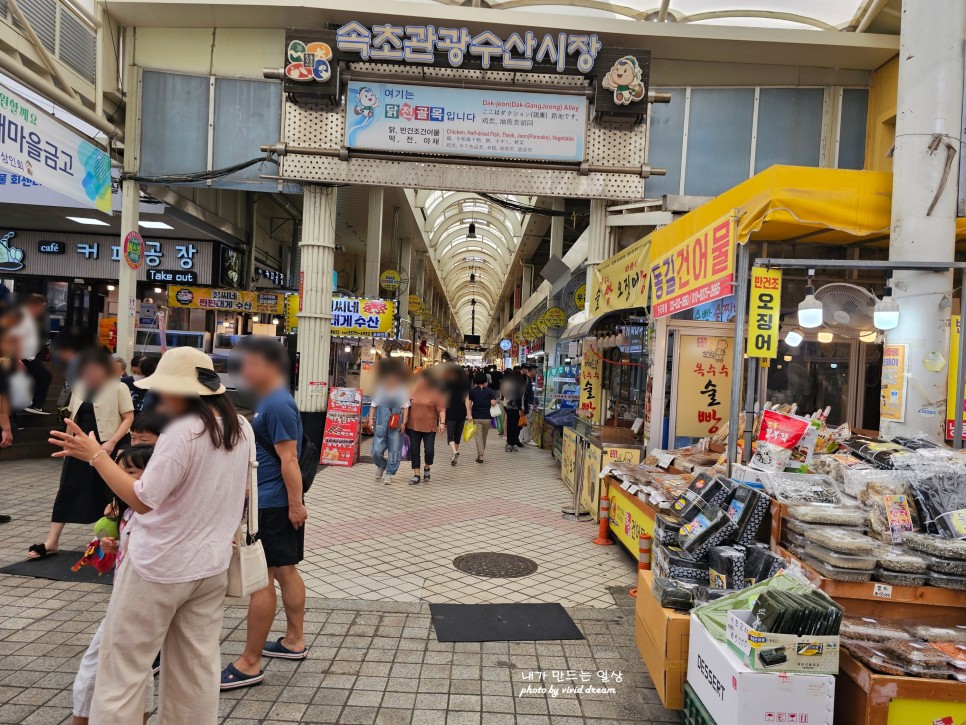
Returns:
<point x="798" y="203"/>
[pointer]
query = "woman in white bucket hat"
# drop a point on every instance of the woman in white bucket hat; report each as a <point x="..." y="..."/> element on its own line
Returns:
<point x="169" y="595"/>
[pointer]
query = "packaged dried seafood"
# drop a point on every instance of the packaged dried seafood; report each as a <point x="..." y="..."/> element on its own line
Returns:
<point x="837" y="466"/>
<point x="955" y="653"/>
<point x="709" y="528"/>
<point x="844" y="541"/>
<point x="872" y="657"/>
<point x="726" y="567"/>
<point x="898" y="578"/>
<point x="747" y="508"/>
<point x="838" y="573"/>
<point x="835" y="558"/>
<point x="897" y="559"/>
<point x="666" y="529"/>
<point x="947" y="581"/>
<point x="828" y="515"/>
<point x="673" y="594"/>
<point x="761" y="564"/>
<point x="871" y="629"/>
<point x="792" y="488"/>
<point x="915" y="653"/>
<point x="704" y="491"/>
<point x="955" y="634"/>
<point x="954" y="567"/>
<point x="936" y="545"/>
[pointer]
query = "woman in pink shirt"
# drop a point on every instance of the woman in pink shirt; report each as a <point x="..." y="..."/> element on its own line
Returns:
<point x="188" y="503"/>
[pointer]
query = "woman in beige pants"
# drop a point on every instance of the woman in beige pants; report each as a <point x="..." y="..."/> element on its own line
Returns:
<point x="169" y="596"/>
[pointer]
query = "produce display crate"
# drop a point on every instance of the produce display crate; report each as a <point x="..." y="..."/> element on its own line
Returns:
<point x="694" y="712"/>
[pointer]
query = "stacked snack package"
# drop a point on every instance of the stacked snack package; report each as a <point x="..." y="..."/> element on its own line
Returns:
<point x="906" y="649"/>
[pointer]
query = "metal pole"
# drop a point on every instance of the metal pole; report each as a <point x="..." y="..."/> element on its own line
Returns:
<point x="741" y="303"/>
<point x="960" y="383"/>
<point x="750" y="390"/>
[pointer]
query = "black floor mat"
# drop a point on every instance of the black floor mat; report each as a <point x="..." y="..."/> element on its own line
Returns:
<point x="502" y="622"/>
<point x="57" y="567"/>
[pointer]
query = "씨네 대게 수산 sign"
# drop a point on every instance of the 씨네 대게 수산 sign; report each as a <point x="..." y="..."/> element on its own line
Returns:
<point x="360" y="317"/>
<point x="37" y="146"/>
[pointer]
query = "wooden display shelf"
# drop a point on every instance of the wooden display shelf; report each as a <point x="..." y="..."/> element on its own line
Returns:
<point x="863" y="697"/>
<point x="882" y="600"/>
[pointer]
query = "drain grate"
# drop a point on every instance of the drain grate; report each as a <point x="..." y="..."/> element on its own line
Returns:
<point x="495" y="565"/>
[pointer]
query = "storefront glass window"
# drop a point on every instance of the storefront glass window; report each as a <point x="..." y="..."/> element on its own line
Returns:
<point x="855" y="108"/>
<point x="816" y="377"/>
<point x="664" y="142"/>
<point x="719" y="139"/>
<point x="789" y="127"/>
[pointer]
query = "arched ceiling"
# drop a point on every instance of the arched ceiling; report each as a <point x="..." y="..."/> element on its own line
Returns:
<point x="487" y="255"/>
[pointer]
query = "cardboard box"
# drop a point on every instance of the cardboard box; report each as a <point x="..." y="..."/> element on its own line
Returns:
<point x="662" y="639"/>
<point x="736" y="695"/>
<point x="788" y="652"/>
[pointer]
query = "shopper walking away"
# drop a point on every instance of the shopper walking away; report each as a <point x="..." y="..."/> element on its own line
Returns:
<point x="7" y="366"/>
<point x="281" y="512"/>
<point x="30" y="347"/>
<point x="170" y="593"/>
<point x="388" y="416"/>
<point x="427" y="415"/>
<point x="134" y="460"/>
<point x="100" y="405"/>
<point x="512" y="391"/>
<point x="456" y="387"/>
<point x="478" y="404"/>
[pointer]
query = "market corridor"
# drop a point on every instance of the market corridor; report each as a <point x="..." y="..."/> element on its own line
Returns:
<point x="376" y="555"/>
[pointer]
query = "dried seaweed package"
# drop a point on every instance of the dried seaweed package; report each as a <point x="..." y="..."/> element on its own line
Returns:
<point x="666" y="529"/>
<point x="675" y="563"/>
<point x="704" y="490"/>
<point x="761" y="564"/>
<point x="673" y="594"/>
<point x="709" y="528"/>
<point x="747" y="508"/>
<point x="726" y="567"/>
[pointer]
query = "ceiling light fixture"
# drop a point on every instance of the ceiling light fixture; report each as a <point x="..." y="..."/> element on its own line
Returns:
<point x="471" y="232"/>
<point x="155" y="225"/>
<point x="274" y="320"/>
<point x="794" y="337"/>
<point x="885" y="316"/>
<point x="158" y="290"/>
<point x="825" y="337"/>
<point x="255" y="318"/>
<point x="110" y="288"/>
<point x="810" y="309"/>
<point x="869" y="336"/>
<point x="88" y="221"/>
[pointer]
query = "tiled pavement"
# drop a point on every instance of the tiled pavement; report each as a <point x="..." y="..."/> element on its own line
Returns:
<point x="376" y="555"/>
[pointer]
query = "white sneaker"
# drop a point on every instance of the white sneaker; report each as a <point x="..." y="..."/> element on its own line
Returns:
<point x="35" y="411"/>
<point x="379" y="473"/>
<point x="386" y="479"/>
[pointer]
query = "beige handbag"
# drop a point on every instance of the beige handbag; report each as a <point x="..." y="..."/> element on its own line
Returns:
<point x="248" y="571"/>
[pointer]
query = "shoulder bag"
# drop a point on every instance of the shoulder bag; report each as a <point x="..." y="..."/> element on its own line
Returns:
<point x="308" y="458"/>
<point x="248" y="569"/>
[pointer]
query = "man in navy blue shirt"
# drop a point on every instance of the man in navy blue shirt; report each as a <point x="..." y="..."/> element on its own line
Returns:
<point x="281" y="511"/>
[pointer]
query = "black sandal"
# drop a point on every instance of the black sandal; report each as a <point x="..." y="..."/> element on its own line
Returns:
<point x="41" y="551"/>
<point x="479" y="459"/>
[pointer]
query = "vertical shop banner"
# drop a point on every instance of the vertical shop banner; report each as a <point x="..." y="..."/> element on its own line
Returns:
<point x="591" y="376"/>
<point x="764" y="317"/>
<point x="955" y="330"/>
<point x="340" y="440"/>
<point x="37" y="147"/>
<point x="621" y="282"/>
<point x="698" y="270"/>
<point x="895" y="375"/>
<point x="703" y="401"/>
<point x="292" y="308"/>
<point x="465" y="122"/>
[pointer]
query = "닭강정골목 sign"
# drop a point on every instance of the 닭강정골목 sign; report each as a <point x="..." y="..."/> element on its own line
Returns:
<point x="465" y="122"/>
<point x="703" y="401"/>
<point x="764" y="318"/>
<point x="700" y="269"/>
<point x="36" y="146"/>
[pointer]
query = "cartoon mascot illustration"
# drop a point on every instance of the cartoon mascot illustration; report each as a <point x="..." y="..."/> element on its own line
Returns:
<point x="366" y="102"/>
<point x="624" y="78"/>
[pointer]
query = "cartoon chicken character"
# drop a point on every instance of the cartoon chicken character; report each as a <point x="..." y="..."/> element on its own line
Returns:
<point x="624" y="78"/>
<point x="366" y="102"/>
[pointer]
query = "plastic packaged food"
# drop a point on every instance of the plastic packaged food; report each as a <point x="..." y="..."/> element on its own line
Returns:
<point x="895" y="558"/>
<point x="843" y="541"/>
<point x="799" y="527"/>
<point x="828" y="515"/>
<point x="675" y="563"/>
<point x="837" y="466"/>
<point x="761" y="564"/>
<point x="870" y="656"/>
<point x="666" y="529"/>
<point x="705" y="490"/>
<point x="947" y="581"/>
<point x="673" y="594"/>
<point x="793" y="538"/>
<point x="871" y="629"/>
<point x="940" y="493"/>
<point x="792" y="488"/>
<point x="709" y="528"/>
<point x="882" y="454"/>
<point x="954" y="567"/>
<point x="955" y="634"/>
<point x="726" y="567"/>
<point x="898" y="578"/>
<point x="936" y="545"/>
<point x="915" y="653"/>
<point x="708" y="594"/>
<point x="778" y="435"/>
<point x="835" y="558"/>
<point x="747" y="508"/>
<point x="838" y="573"/>
<point x="955" y="653"/>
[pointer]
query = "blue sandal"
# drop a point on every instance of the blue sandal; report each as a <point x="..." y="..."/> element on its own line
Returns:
<point x="277" y="649"/>
<point x="232" y="678"/>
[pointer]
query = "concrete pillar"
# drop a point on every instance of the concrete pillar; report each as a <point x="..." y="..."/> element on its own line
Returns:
<point x="127" y="313"/>
<point x="929" y="108"/>
<point x="318" y="259"/>
<point x="556" y="249"/>
<point x="405" y="263"/>
<point x="527" y="283"/>
<point x="600" y="243"/>
<point x="359" y="282"/>
<point x="374" y="241"/>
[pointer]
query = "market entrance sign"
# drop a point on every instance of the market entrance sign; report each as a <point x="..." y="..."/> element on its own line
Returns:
<point x="36" y="146"/>
<point x="699" y="269"/>
<point x="465" y="122"/>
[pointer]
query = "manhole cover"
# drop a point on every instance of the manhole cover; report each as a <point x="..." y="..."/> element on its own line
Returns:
<point x="495" y="565"/>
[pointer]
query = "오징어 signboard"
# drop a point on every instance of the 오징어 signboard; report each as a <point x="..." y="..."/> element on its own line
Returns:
<point x="465" y="122"/>
<point x="36" y="146"/>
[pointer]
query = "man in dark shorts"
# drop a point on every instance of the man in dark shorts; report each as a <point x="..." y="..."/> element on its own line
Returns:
<point x="281" y="511"/>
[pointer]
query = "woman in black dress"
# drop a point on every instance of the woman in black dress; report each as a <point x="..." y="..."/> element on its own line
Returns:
<point x="100" y="404"/>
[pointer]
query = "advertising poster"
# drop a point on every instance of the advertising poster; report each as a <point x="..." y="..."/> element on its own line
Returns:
<point x="359" y="317"/>
<point x="954" y="332"/>
<point x="292" y="314"/>
<point x="764" y="317"/>
<point x="208" y="298"/>
<point x="36" y="146"/>
<point x="340" y="440"/>
<point x="703" y="402"/>
<point x="700" y="269"/>
<point x="622" y="281"/>
<point x="465" y="122"/>
<point x="892" y="401"/>
<point x="591" y="373"/>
